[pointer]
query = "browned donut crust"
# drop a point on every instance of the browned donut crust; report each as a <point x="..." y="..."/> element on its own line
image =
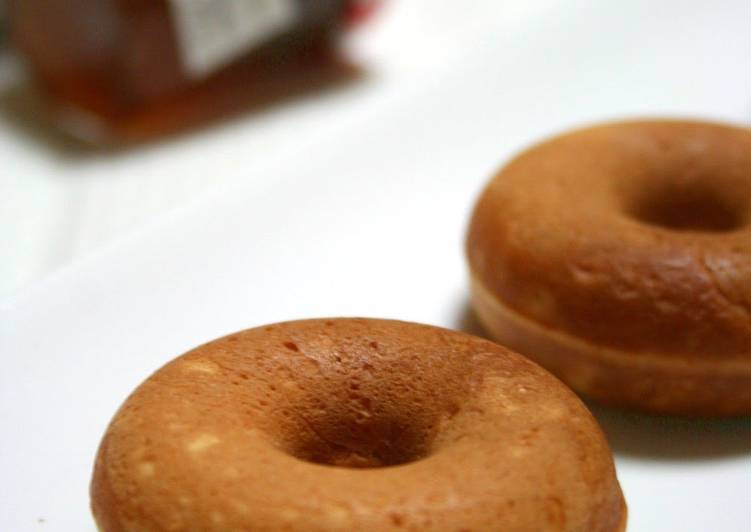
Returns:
<point x="619" y="257"/>
<point x="431" y="429"/>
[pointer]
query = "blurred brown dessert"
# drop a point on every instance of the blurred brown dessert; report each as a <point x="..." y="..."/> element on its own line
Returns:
<point x="126" y="70"/>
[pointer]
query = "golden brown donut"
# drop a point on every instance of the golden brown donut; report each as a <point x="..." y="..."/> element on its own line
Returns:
<point x="619" y="257"/>
<point x="354" y="424"/>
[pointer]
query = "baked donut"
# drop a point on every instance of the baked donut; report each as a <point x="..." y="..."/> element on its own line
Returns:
<point x="619" y="258"/>
<point x="354" y="424"/>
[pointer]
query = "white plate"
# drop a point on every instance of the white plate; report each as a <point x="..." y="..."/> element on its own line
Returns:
<point x="371" y="223"/>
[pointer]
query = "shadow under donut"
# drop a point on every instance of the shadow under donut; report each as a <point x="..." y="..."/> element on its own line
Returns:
<point x="673" y="438"/>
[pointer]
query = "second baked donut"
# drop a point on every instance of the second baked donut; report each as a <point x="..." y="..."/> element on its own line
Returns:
<point x="354" y="424"/>
<point x="619" y="257"/>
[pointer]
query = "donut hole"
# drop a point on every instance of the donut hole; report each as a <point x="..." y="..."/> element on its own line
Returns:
<point x="695" y="208"/>
<point x="360" y="440"/>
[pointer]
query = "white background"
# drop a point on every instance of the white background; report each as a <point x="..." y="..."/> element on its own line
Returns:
<point x="59" y="203"/>
<point x="354" y="203"/>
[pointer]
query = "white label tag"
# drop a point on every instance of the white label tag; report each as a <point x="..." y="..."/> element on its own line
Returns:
<point x="211" y="33"/>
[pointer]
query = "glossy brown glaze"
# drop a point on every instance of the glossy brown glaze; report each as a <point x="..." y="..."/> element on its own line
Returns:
<point x="354" y="424"/>
<point x="630" y="241"/>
